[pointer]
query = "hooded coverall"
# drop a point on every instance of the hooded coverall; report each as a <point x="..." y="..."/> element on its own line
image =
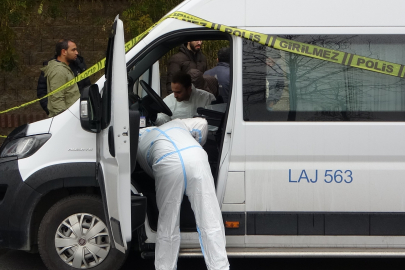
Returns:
<point x="173" y="155"/>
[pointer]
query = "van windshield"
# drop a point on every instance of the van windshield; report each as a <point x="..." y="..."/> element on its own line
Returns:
<point x="284" y="86"/>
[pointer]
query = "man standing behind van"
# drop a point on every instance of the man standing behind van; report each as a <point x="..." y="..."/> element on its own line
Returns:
<point x="57" y="73"/>
<point x="188" y="57"/>
<point x="221" y="72"/>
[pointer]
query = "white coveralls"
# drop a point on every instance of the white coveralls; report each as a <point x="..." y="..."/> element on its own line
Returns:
<point x="172" y="154"/>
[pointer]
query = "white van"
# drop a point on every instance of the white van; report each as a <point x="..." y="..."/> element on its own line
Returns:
<point x="308" y="156"/>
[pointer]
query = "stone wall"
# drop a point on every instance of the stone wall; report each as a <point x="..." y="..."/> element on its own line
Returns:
<point x="86" y="22"/>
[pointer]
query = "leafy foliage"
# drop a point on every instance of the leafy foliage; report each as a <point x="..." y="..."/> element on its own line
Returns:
<point x="141" y="14"/>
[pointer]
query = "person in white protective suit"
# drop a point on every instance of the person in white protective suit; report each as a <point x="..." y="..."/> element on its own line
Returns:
<point x="173" y="155"/>
<point x="184" y="100"/>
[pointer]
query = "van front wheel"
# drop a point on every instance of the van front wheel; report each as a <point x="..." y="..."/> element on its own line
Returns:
<point x="73" y="235"/>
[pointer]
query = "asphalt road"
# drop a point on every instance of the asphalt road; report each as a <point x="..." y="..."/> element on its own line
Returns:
<point x="19" y="260"/>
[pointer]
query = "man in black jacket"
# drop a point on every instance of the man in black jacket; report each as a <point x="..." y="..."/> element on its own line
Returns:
<point x="77" y="66"/>
<point x="188" y="57"/>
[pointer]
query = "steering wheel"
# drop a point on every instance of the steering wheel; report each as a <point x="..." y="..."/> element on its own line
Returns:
<point x="160" y="106"/>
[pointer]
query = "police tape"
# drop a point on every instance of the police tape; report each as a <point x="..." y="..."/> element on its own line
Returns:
<point x="305" y="49"/>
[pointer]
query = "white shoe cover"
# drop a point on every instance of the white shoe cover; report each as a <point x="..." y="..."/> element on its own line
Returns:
<point x="179" y="164"/>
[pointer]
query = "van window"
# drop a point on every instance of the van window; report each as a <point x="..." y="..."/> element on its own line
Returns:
<point x="282" y="86"/>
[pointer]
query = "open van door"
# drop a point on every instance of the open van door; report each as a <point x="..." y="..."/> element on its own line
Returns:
<point x="113" y="142"/>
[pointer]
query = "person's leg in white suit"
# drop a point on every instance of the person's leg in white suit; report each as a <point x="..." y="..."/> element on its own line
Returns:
<point x="169" y="194"/>
<point x="195" y="176"/>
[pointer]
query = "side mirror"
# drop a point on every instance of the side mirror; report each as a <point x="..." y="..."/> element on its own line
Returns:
<point x="90" y="109"/>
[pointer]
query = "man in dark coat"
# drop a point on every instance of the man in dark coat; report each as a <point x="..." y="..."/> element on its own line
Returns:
<point x="188" y="57"/>
<point x="221" y="72"/>
<point x="77" y="66"/>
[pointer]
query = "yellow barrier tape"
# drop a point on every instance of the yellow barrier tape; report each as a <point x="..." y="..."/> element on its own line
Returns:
<point x="278" y="43"/>
<point x="304" y="49"/>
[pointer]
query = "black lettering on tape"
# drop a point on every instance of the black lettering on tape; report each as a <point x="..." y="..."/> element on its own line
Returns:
<point x="376" y="66"/>
<point x="283" y="44"/>
<point x="273" y="42"/>
<point x="228" y="30"/>
<point x="213" y="25"/>
<point x="360" y="61"/>
<point x="296" y="47"/>
<point x="219" y="26"/>
<point x="267" y="40"/>
<point x="326" y="54"/>
<point x="344" y="59"/>
<point x="370" y="64"/>
<point x="317" y="52"/>
<point x="237" y="33"/>
<point x="350" y="59"/>
<point x="399" y="72"/>
<point x="334" y="55"/>
<point x="256" y="38"/>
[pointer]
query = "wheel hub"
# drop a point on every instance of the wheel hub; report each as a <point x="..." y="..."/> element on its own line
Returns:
<point x="82" y="241"/>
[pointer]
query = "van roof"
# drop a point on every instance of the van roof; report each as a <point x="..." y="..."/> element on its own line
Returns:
<point x="293" y="13"/>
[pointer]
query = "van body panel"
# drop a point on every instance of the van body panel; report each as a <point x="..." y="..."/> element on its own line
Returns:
<point x="214" y="11"/>
<point x="276" y="169"/>
<point x="39" y="127"/>
<point x="326" y="30"/>
<point x="68" y="143"/>
<point x="324" y="241"/>
<point x="235" y="188"/>
<point x="236" y="127"/>
<point x="80" y="174"/>
<point x="311" y="13"/>
<point x="75" y="109"/>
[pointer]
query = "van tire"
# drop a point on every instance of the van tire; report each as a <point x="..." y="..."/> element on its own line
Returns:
<point x="53" y="222"/>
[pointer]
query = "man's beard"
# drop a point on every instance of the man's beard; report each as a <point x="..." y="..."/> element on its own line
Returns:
<point x="71" y="60"/>
<point x="193" y="48"/>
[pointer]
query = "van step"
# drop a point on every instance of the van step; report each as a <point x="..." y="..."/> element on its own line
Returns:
<point x="300" y="252"/>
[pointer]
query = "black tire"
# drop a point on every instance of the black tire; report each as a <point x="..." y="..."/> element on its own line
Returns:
<point x="51" y="222"/>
